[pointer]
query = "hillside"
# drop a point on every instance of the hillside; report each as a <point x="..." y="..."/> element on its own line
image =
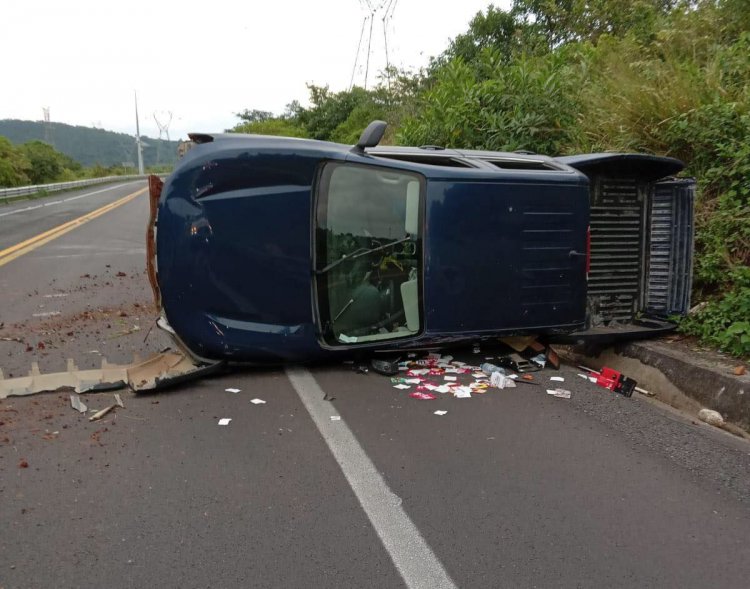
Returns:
<point x="90" y="146"/>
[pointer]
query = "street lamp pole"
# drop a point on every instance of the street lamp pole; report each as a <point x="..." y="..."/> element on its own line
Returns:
<point x="138" y="137"/>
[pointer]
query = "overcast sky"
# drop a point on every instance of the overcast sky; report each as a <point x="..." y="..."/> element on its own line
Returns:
<point x="202" y="61"/>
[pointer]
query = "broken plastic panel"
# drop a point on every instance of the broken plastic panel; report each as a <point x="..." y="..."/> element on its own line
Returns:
<point x="159" y="371"/>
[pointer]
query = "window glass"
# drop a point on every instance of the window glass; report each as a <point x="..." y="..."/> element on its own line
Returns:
<point x="431" y="160"/>
<point x="368" y="253"/>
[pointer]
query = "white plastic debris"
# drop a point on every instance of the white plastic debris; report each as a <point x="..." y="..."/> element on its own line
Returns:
<point x="462" y="392"/>
<point x="440" y="412"/>
<point x="583" y="376"/>
<point x="102" y="412"/>
<point x="257" y="401"/>
<point x="540" y="359"/>
<point x="561" y="393"/>
<point x="557" y="378"/>
<point x="501" y="381"/>
<point x="232" y="390"/>
<point x="450" y="378"/>
<point x="225" y="420"/>
<point x="711" y="417"/>
<point x="402" y="386"/>
<point x="335" y="418"/>
<point x="77" y="404"/>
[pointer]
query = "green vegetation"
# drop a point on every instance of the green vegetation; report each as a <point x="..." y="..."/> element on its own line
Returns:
<point x="37" y="162"/>
<point x="89" y="146"/>
<point x="14" y="165"/>
<point x="103" y="153"/>
<point x="669" y="77"/>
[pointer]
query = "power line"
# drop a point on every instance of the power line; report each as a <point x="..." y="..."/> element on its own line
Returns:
<point x="384" y="10"/>
<point x="356" y="57"/>
<point x="369" y="41"/>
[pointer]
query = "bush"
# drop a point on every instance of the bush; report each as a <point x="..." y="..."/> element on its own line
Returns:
<point x="724" y="321"/>
<point x="529" y="104"/>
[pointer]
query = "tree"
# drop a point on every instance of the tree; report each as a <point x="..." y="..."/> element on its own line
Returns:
<point x="255" y="115"/>
<point x="565" y="21"/>
<point x="47" y="164"/>
<point x="496" y="29"/>
<point x="529" y="104"/>
<point x="330" y="109"/>
<point x="14" y="165"/>
<point x="273" y="126"/>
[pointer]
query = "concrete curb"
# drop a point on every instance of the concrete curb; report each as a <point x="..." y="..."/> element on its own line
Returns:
<point x="670" y="370"/>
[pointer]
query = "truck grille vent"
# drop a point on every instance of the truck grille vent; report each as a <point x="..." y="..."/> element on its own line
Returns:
<point x="670" y="248"/>
<point x="616" y="245"/>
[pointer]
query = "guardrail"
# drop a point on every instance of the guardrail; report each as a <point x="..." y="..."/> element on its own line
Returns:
<point x="9" y="194"/>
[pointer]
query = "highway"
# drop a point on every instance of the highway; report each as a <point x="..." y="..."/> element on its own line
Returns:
<point x="513" y="488"/>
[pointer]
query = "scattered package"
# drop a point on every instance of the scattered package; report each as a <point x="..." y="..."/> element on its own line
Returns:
<point x="422" y="396"/>
<point x="562" y="393"/>
<point x="518" y="363"/>
<point x="436" y="374"/>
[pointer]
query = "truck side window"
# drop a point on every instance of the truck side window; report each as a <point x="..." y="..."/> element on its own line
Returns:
<point x="368" y="253"/>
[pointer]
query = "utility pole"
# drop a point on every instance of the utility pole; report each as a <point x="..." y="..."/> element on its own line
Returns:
<point x="47" y="129"/>
<point x="138" y="145"/>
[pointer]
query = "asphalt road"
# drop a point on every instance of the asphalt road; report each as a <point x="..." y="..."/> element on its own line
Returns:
<point x="512" y="488"/>
<point x="23" y="219"/>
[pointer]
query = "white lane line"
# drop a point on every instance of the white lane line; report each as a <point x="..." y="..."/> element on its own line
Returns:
<point x="410" y="553"/>
<point x="57" y="202"/>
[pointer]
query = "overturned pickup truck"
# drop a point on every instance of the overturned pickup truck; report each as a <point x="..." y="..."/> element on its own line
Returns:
<point x="271" y="249"/>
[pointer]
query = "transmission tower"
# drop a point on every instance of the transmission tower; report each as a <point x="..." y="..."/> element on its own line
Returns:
<point x="374" y="10"/>
<point x="159" y="118"/>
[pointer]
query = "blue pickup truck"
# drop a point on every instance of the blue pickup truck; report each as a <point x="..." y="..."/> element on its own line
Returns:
<point x="272" y="249"/>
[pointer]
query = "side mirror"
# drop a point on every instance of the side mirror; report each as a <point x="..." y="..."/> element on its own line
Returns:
<point x="371" y="136"/>
<point x="411" y="222"/>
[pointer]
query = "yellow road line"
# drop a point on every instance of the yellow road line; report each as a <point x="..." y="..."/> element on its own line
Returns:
<point x="16" y="251"/>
